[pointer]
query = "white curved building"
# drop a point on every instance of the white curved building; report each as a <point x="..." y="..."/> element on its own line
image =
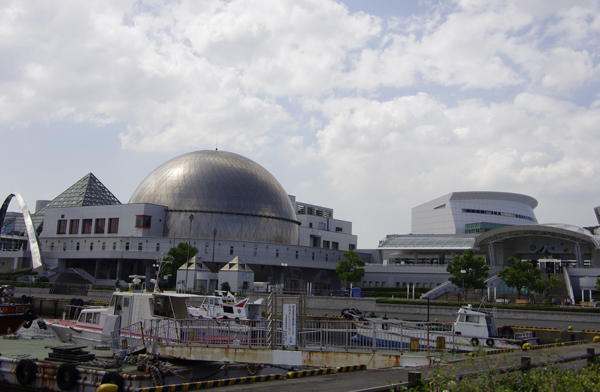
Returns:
<point x="473" y="213"/>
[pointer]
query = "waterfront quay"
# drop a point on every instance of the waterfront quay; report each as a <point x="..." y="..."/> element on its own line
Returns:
<point x="323" y="306"/>
<point x="338" y="376"/>
<point x="351" y="378"/>
<point x="380" y="380"/>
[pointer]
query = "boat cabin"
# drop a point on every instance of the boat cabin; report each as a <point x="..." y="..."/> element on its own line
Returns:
<point x="475" y="323"/>
<point x="133" y="307"/>
<point x="92" y="317"/>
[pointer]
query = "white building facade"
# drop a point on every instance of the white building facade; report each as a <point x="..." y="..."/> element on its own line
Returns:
<point x="473" y="213"/>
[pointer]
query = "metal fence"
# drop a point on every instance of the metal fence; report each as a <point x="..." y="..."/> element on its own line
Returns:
<point x="325" y="335"/>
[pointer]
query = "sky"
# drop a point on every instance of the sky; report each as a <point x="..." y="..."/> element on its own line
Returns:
<point x="367" y="107"/>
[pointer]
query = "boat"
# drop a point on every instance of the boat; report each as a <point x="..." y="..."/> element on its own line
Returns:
<point x="96" y="324"/>
<point x="14" y="315"/>
<point x="224" y="305"/>
<point x="472" y="330"/>
<point x="143" y="311"/>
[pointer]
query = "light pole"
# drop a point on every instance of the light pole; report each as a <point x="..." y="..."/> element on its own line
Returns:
<point x="283" y="265"/>
<point x="214" y="240"/>
<point x="160" y="263"/>
<point x="463" y="272"/>
<point x="187" y="262"/>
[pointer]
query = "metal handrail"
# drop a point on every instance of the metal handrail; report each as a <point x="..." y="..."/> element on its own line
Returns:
<point x="337" y="335"/>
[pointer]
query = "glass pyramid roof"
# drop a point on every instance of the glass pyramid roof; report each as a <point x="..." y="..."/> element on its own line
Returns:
<point x="88" y="191"/>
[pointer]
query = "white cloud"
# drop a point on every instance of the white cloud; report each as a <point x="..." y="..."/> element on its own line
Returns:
<point x="381" y="112"/>
<point x="567" y="69"/>
<point x="418" y="143"/>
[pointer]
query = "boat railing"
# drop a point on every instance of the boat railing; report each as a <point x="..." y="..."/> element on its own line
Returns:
<point x="523" y="335"/>
<point x="344" y="335"/>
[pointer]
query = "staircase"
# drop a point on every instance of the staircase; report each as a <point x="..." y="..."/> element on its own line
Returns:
<point x="96" y="282"/>
<point x="561" y="292"/>
<point x="81" y="272"/>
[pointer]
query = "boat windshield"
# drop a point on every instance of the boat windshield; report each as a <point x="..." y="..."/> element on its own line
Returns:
<point x="162" y="307"/>
<point x="468" y="318"/>
<point x="170" y="306"/>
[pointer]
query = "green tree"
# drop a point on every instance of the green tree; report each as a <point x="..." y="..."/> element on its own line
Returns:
<point x="350" y="269"/>
<point x="178" y="255"/>
<point x="597" y="287"/>
<point x="474" y="267"/>
<point x="553" y="283"/>
<point x="225" y="287"/>
<point x="522" y="274"/>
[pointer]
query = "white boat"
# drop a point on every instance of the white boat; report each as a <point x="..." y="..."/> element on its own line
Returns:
<point x="143" y="311"/>
<point x="224" y="305"/>
<point x="94" y="325"/>
<point x="472" y="330"/>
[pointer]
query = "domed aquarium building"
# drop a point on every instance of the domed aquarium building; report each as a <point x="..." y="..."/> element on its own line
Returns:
<point x="225" y="205"/>
<point x="223" y="191"/>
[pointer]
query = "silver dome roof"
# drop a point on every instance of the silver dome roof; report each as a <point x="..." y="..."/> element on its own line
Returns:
<point x="224" y="191"/>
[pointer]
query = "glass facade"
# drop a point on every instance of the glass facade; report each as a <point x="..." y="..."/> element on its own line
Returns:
<point x="113" y="225"/>
<point x="433" y="242"/>
<point x="481" y="227"/>
<point x="99" y="229"/>
<point x="88" y="191"/>
<point x="87" y="226"/>
<point x="74" y="226"/>
<point x="61" y="226"/>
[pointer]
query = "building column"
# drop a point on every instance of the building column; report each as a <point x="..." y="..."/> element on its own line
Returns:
<point x="492" y="253"/>
<point x="119" y="267"/>
<point x="97" y="268"/>
<point x="578" y="255"/>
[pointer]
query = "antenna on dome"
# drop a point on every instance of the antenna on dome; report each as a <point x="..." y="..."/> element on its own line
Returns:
<point x="217" y="146"/>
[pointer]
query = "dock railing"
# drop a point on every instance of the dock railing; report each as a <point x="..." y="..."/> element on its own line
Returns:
<point x="334" y="335"/>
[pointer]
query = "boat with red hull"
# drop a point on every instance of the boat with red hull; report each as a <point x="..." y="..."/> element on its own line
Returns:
<point x="13" y="315"/>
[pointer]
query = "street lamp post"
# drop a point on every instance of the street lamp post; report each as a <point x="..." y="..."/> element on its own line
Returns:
<point x="283" y="265"/>
<point x="187" y="262"/>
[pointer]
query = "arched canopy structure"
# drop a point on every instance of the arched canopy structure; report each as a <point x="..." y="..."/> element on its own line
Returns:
<point x="558" y="240"/>
<point x="36" y="255"/>
<point x="569" y="233"/>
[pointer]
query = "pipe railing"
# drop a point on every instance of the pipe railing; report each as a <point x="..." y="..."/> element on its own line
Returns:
<point x="337" y="335"/>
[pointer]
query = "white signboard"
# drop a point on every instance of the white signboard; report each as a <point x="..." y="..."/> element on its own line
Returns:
<point x="290" y="325"/>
